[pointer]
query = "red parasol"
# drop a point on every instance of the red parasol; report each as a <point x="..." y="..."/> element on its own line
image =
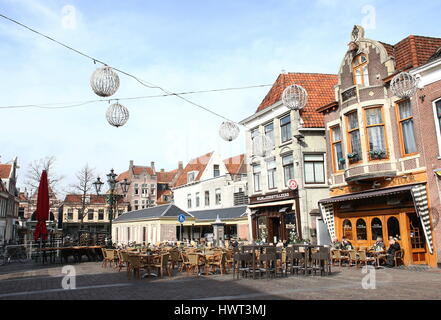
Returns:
<point x="42" y="208"/>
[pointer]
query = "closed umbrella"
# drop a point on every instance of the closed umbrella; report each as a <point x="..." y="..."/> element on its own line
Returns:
<point x="42" y="208"/>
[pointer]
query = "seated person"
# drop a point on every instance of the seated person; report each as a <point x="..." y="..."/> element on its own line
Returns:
<point x="379" y="245"/>
<point x="390" y="254"/>
<point x="335" y="244"/>
<point x="346" y="244"/>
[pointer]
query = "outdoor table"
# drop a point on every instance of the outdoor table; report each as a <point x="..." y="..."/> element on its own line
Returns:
<point x="377" y="255"/>
<point x="307" y="253"/>
<point x="148" y="259"/>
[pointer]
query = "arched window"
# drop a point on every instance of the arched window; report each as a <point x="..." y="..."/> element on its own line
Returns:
<point x="361" y="230"/>
<point x="393" y="228"/>
<point x="360" y="70"/>
<point x="376" y="228"/>
<point x="347" y="229"/>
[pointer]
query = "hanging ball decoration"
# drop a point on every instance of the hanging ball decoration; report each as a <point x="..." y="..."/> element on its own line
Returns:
<point x="404" y="85"/>
<point x="295" y="97"/>
<point x="104" y="81"/>
<point x="262" y="145"/>
<point x="229" y="131"/>
<point x="117" y="115"/>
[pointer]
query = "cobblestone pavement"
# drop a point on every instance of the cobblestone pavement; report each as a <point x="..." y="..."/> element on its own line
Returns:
<point x="94" y="282"/>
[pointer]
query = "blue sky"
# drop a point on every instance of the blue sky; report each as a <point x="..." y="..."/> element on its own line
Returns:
<point x="180" y="45"/>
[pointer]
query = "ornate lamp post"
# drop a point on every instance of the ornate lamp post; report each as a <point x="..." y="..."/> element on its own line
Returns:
<point x="112" y="198"/>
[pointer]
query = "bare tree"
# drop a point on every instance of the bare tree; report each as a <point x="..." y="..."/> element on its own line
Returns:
<point x="83" y="186"/>
<point x="36" y="167"/>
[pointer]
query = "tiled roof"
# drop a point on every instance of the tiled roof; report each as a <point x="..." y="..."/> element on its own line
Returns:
<point x="166" y="177"/>
<point x="235" y="165"/>
<point x="412" y="51"/>
<point x="136" y="170"/>
<point x="94" y="199"/>
<point x="168" y="210"/>
<point x="224" y="213"/>
<point x="5" y="171"/>
<point x="2" y="187"/>
<point x="320" y="88"/>
<point x="197" y="164"/>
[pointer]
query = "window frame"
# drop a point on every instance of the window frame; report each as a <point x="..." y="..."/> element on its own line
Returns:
<point x="366" y="132"/>
<point x="273" y="139"/>
<point x="360" y="67"/>
<point x="273" y="174"/>
<point x="348" y="136"/>
<point x="218" y="196"/>
<point x="285" y="181"/>
<point x="283" y="126"/>
<point x="254" y="178"/>
<point x="333" y="152"/>
<point x="437" y="124"/>
<point x="314" y="162"/>
<point x="216" y="169"/>
<point x="207" y="198"/>
<point x="400" y="128"/>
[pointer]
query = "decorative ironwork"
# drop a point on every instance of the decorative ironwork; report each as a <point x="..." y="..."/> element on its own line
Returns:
<point x="117" y="115"/>
<point x="404" y="85"/>
<point x="348" y="94"/>
<point x="229" y="131"/>
<point x="295" y="97"/>
<point x="104" y="81"/>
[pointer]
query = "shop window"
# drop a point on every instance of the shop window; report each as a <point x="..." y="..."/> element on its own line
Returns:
<point x="393" y="227"/>
<point x="347" y="229"/>
<point x="376" y="228"/>
<point x="361" y="230"/>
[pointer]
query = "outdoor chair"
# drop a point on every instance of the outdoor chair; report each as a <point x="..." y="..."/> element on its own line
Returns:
<point x="241" y="264"/>
<point x="135" y="265"/>
<point x="267" y="262"/>
<point x="108" y="257"/>
<point x="218" y="262"/>
<point x="363" y="259"/>
<point x="352" y="258"/>
<point x="399" y="257"/>
<point x="281" y="265"/>
<point x="229" y="259"/>
<point x="185" y="262"/>
<point x="195" y="262"/>
<point x="336" y="256"/>
<point x="175" y="257"/>
<point x="162" y="265"/>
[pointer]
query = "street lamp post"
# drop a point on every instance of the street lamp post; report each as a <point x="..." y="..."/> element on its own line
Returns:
<point x="112" y="198"/>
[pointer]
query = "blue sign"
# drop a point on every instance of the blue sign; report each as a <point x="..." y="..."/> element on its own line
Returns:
<point x="181" y="218"/>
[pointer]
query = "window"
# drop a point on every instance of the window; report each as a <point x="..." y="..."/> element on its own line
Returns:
<point x="347" y="229"/>
<point x="285" y="127"/>
<point x="354" y="144"/>
<point x="218" y="197"/>
<point x="314" y="168"/>
<point x="256" y="177"/>
<point x="338" y="159"/>
<point x="437" y="112"/>
<point x="407" y="133"/>
<point x="254" y="133"/>
<point x="136" y="189"/>
<point x="189" y="201"/>
<point x="361" y="230"/>
<point x="393" y="227"/>
<point x="191" y="176"/>
<point x="360" y="70"/>
<point x="90" y="214"/>
<point x="197" y="200"/>
<point x="288" y="168"/>
<point x="216" y="171"/>
<point x="376" y="228"/>
<point x="69" y="214"/>
<point x="271" y="168"/>
<point x="269" y="132"/>
<point x="207" y="198"/>
<point x="375" y="130"/>
<point x="101" y="214"/>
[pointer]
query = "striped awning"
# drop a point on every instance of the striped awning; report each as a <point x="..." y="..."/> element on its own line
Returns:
<point x="327" y="211"/>
<point x="419" y="194"/>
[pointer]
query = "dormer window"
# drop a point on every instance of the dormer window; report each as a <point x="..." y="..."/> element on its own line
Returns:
<point x="360" y="70"/>
<point x="216" y="171"/>
<point x="191" y="176"/>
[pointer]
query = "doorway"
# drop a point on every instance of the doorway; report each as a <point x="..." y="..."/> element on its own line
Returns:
<point x="274" y="235"/>
<point x="417" y="239"/>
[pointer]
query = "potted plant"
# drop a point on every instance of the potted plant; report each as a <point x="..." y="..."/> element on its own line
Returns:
<point x="377" y="154"/>
<point x="353" y="157"/>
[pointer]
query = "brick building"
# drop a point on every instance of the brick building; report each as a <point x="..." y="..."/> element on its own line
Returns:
<point x="377" y="154"/>
<point x="8" y="202"/>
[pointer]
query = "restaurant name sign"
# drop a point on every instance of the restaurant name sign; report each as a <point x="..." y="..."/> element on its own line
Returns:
<point x="274" y="197"/>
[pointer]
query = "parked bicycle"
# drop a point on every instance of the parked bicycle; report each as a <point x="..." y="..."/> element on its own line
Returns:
<point x="13" y="253"/>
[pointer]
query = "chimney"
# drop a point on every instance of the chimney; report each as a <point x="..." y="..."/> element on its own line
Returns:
<point x="131" y="164"/>
<point x="180" y="165"/>
<point x="152" y="164"/>
<point x="162" y="170"/>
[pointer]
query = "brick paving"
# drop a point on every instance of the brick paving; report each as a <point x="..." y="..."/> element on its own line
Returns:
<point x="94" y="282"/>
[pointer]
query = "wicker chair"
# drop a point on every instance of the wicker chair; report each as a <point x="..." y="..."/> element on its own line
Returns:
<point x="363" y="259"/>
<point x="162" y="265"/>
<point x="336" y="256"/>
<point x="218" y="262"/>
<point x="185" y="262"/>
<point x="195" y="262"/>
<point x="135" y="265"/>
<point x="352" y="258"/>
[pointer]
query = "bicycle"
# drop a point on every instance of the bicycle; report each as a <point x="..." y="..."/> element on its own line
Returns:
<point x="13" y="253"/>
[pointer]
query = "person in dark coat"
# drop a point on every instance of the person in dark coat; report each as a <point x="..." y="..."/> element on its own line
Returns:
<point x="346" y="244"/>
<point x="390" y="254"/>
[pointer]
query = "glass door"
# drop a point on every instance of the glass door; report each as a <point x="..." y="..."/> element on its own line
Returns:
<point x="417" y="239"/>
